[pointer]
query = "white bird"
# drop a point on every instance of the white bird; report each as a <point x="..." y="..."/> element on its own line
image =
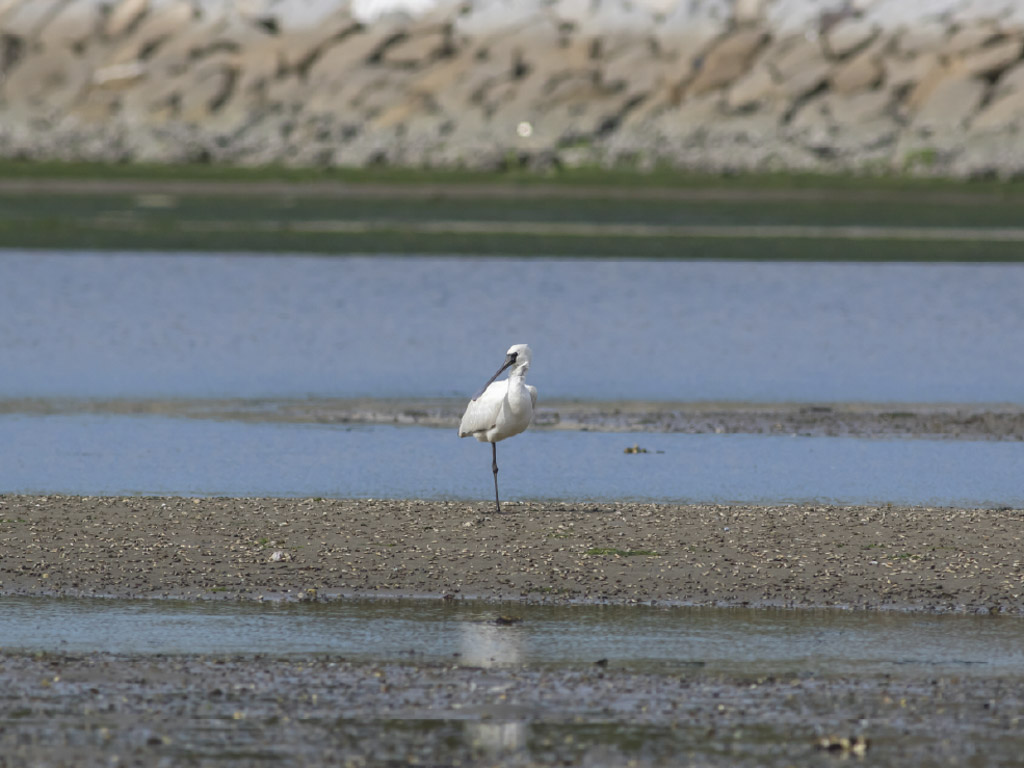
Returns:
<point x="502" y="408"/>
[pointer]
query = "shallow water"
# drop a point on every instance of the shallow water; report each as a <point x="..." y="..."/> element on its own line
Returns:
<point x="81" y="324"/>
<point x="750" y="641"/>
<point x="153" y="455"/>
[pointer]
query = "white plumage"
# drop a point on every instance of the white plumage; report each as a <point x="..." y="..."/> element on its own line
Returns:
<point x="503" y="408"/>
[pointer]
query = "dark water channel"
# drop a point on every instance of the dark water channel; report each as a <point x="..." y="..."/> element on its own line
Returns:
<point x="733" y="640"/>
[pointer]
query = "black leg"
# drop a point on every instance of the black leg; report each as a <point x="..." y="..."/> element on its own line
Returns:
<point x="494" y="468"/>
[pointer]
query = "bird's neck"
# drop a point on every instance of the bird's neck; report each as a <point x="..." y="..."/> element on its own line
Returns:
<point x="517" y="397"/>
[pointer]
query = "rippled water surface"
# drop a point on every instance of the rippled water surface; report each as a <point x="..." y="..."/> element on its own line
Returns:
<point x="734" y="639"/>
<point x="139" y="325"/>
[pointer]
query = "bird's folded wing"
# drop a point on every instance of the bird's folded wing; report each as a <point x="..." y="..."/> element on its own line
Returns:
<point x="482" y="413"/>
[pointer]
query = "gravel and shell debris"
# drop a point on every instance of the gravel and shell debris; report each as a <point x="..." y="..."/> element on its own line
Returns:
<point x="108" y="709"/>
<point x="803" y="555"/>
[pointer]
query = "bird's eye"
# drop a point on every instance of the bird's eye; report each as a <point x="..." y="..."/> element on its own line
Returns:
<point x="512" y="356"/>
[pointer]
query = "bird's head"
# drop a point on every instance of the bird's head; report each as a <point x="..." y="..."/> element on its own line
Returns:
<point x="517" y="358"/>
<point x="517" y="355"/>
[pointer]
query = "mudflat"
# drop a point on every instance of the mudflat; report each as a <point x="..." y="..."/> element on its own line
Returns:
<point x="990" y="421"/>
<point x="104" y="708"/>
<point x="905" y="558"/>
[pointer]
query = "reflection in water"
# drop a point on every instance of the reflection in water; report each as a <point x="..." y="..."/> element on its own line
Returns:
<point x="497" y="738"/>
<point x="737" y="640"/>
<point x="491" y="645"/>
<point x="485" y="644"/>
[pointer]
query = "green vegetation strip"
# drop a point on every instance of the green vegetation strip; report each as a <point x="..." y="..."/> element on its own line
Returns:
<point x="585" y="229"/>
<point x="588" y="213"/>
<point x="615" y="179"/>
<point x="68" y="236"/>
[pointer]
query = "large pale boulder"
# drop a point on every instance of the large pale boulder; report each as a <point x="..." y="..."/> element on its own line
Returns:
<point x="441" y="78"/>
<point x="403" y="112"/>
<point x="125" y="15"/>
<point x="836" y="125"/>
<point x="641" y="119"/>
<point x="677" y="123"/>
<point x="611" y="45"/>
<point x="611" y="19"/>
<point x="416" y="49"/>
<point x="350" y="54"/>
<point x="119" y="76"/>
<point x="637" y="69"/>
<point x="1011" y="81"/>
<point x="928" y="36"/>
<point x="682" y="35"/>
<point x="570" y="87"/>
<point x="371" y="95"/>
<point x="481" y="20"/>
<point x="98" y="106"/>
<point x="811" y="125"/>
<point x="904" y="73"/>
<point x="535" y="47"/>
<point x="951" y="104"/>
<point x="509" y="104"/>
<point x="926" y="85"/>
<point x="258" y="65"/>
<point x="73" y="25"/>
<point x="1006" y="112"/>
<point x="300" y="48"/>
<point x="502" y="79"/>
<point x="176" y="49"/>
<point x="208" y="87"/>
<point x="797" y="64"/>
<point x="7" y="7"/>
<point x="47" y="83"/>
<point x="288" y="94"/>
<point x="754" y="89"/>
<point x="464" y="84"/>
<point x="859" y="108"/>
<point x="27" y="20"/>
<point x="573" y="54"/>
<point x="144" y="38"/>
<point x="570" y="122"/>
<point x="748" y="11"/>
<point x="992" y="59"/>
<point x="862" y="71"/>
<point x="849" y="36"/>
<point x="727" y="60"/>
<point x="970" y="38"/>
<point x="157" y="102"/>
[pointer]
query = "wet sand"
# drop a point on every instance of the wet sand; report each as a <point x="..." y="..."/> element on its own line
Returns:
<point x="906" y="558"/>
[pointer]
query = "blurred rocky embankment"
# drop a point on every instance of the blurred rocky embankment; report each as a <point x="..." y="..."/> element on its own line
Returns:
<point x="929" y="87"/>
